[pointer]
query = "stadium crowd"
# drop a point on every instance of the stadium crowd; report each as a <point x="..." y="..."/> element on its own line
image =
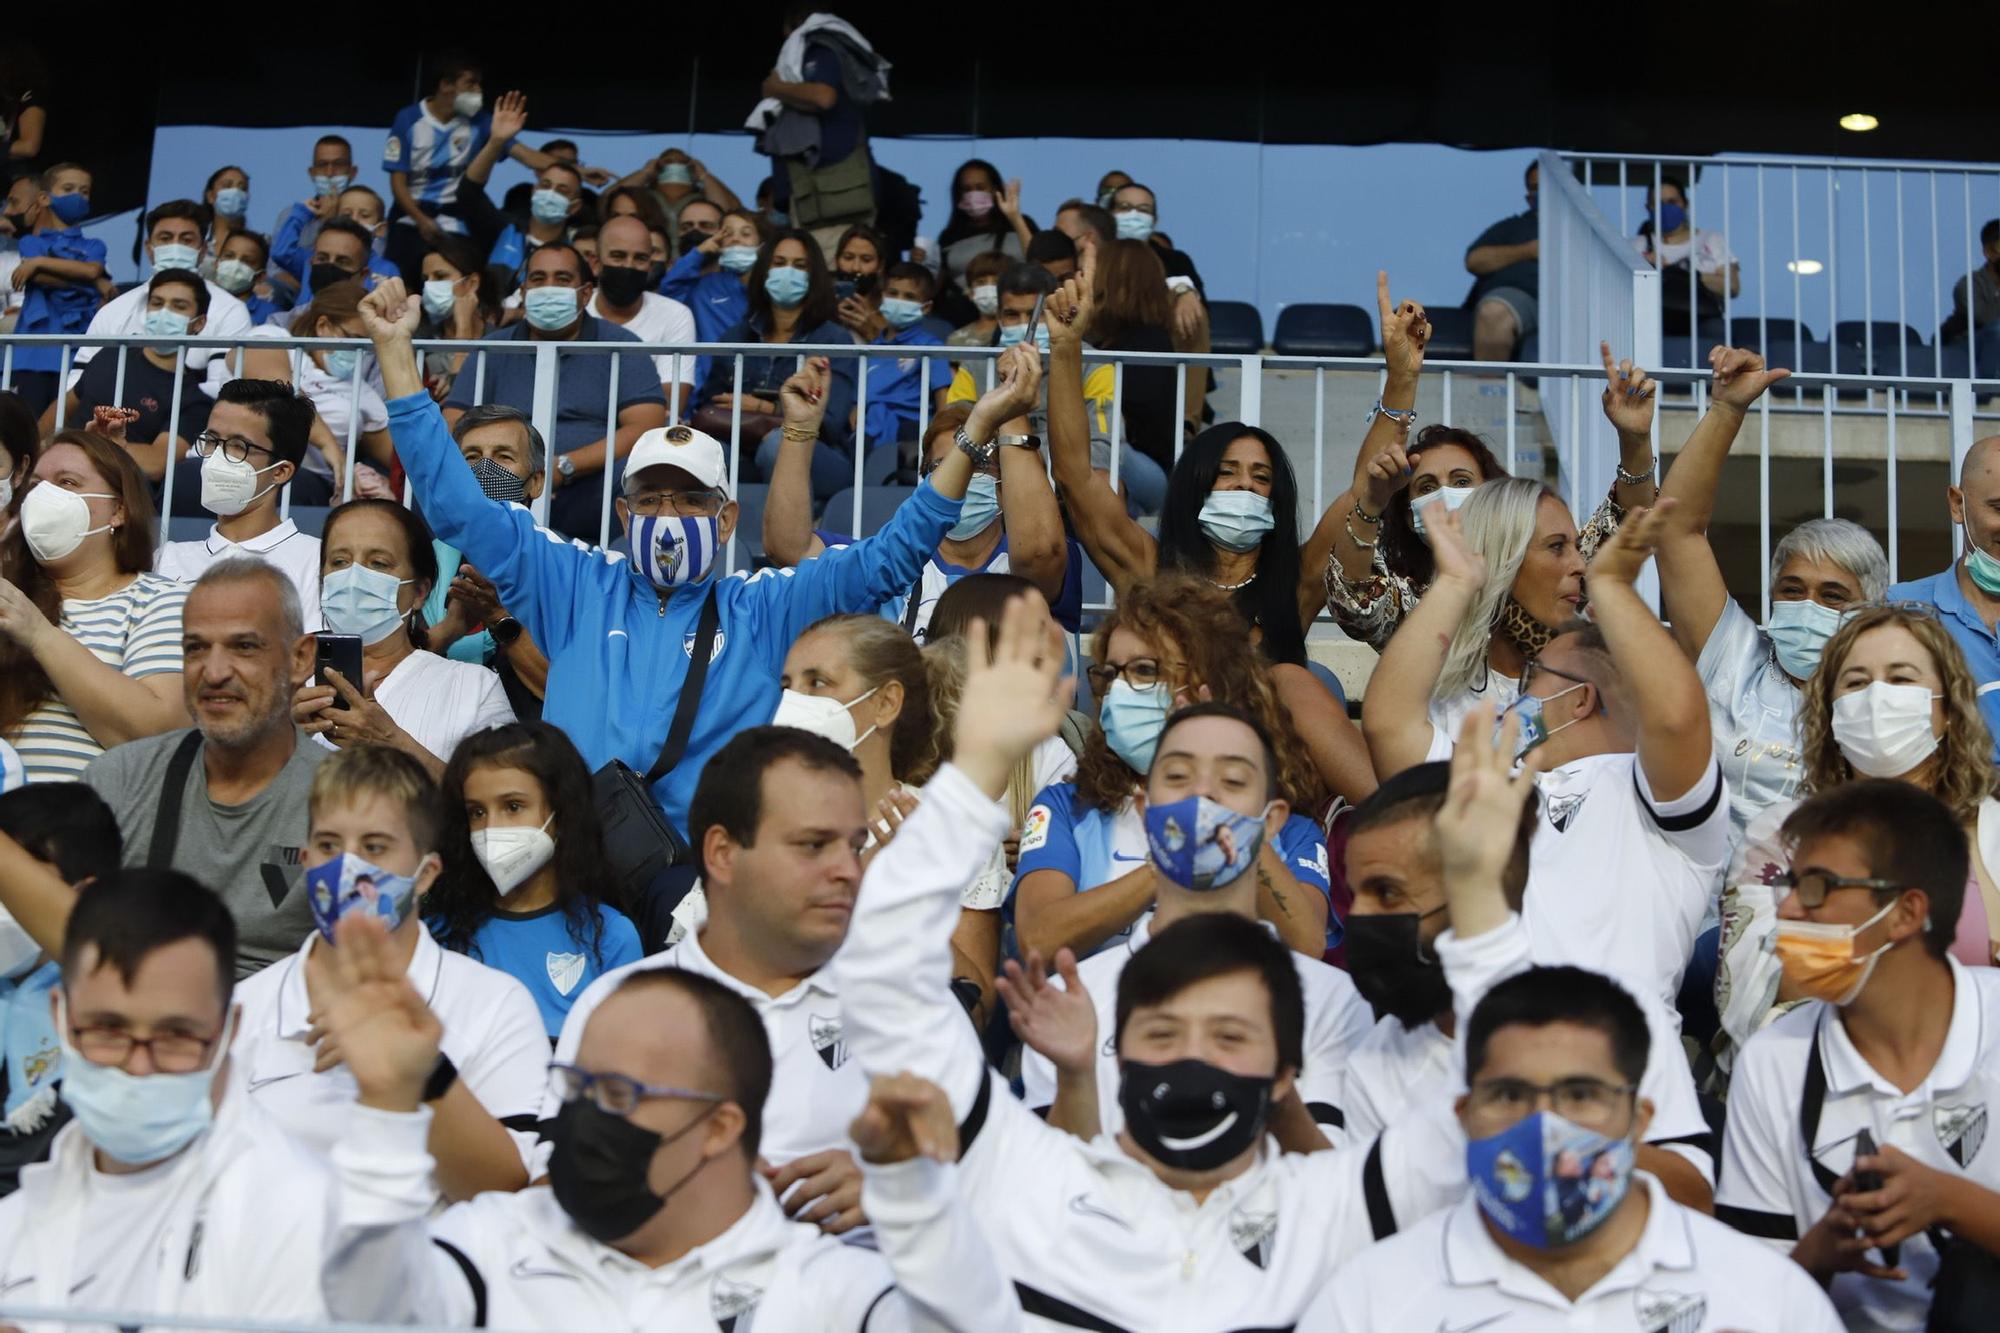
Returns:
<point x="446" y="920"/>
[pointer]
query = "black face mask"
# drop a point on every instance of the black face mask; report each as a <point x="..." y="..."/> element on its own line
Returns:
<point x="1191" y="1115"/>
<point x="499" y="483"/>
<point x="598" y="1169"/>
<point x="621" y="286"/>
<point x="19" y="222"/>
<point x="655" y="274"/>
<point x="1391" y="968"/>
<point x="688" y="240"/>
<point x="323" y="276"/>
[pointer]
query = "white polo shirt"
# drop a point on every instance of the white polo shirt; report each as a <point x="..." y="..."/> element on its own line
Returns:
<point x="1618" y="881"/>
<point x="125" y="313"/>
<point x="816" y="1090"/>
<point x="1337" y="1018"/>
<point x="1770" y="1187"/>
<point x="661" y="319"/>
<point x="294" y="552"/>
<point x="493" y="1034"/>
<point x="1687" y="1274"/>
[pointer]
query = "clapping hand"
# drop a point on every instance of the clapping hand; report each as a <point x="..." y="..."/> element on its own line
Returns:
<point x="1059" y="1023"/>
<point x="1620" y="559"/>
<point x="510" y="115"/>
<point x="387" y="1036"/>
<point x="1629" y="396"/>
<point x="1406" y="330"/>
<point x="1740" y="377"/>
<point x="803" y="396"/>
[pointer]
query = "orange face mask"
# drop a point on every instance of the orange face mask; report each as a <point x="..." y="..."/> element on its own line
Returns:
<point x="1819" y="962"/>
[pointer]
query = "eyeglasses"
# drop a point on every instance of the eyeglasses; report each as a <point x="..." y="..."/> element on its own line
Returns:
<point x="1812" y="886"/>
<point x="680" y="504"/>
<point x="1536" y="664"/>
<point x="1590" y="1102"/>
<point x="614" y="1094"/>
<point x="170" y="1052"/>
<point x="1141" y="673"/>
<point x="236" y="449"/>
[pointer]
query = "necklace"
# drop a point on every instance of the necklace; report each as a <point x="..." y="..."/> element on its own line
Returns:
<point x="1232" y="587"/>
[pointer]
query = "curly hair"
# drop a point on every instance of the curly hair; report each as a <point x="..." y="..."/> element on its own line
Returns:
<point x="1187" y="614"/>
<point x="1964" y="770"/>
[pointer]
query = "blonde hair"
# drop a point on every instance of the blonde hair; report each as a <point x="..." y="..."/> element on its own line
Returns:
<point x="881" y="651"/>
<point x="351" y="775"/>
<point x="944" y="662"/>
<point x="1965" y="775"/>
<point x="1498" y="520"/>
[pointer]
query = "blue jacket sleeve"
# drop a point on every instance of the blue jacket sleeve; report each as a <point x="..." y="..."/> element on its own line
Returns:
<point x="540" y="575"/>
<point x="289" y="250"/>
<point x="847" y="579"/>
<point x="681" y="278"/>
<point x="1303" y="849"/>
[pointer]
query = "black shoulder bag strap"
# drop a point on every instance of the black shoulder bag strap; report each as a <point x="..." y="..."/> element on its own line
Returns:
<point x="173" y="791"/>
<point x="1812" y="1097"/>
<point x="914" y="602"/>
<point x="690" y="702"/>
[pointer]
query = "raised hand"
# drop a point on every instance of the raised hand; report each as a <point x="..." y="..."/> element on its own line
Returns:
<point x="906" y="1117"/>
<point x="1629" y="395"/>
<point x="1620" y="559"/>
<point x="389" y="313"/>
<point x="510" y="115"/>
<point x="387" y="1036"/>
<point x="1009" y="201"/>
<point x="1387" y="473"/>
<point x="1017" y="389"/>
<point x="802" y="398"/>
<point x="1406" y="330"/>
<point x="1057" y="1022"/>
<point x="1069" y="308"/>
<point x="1014" y="692"/>
<point x="1456" y="560"/>
<point x="1740" y="377"/>
<point x="597" y="176"/>
<point x="1481" y="815"/>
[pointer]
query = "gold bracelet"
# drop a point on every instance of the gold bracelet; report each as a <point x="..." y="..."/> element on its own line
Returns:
<point x="1354" y="536"/>
<point x="800" y="435"/>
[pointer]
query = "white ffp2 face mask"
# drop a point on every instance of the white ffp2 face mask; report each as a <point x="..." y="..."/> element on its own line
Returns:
<point x="822" y="715"/>
<point x="56" y="522"/>
<point x="1884" y="729"/>
<point x="229" y="486"/>
<point x="512" y="855"/>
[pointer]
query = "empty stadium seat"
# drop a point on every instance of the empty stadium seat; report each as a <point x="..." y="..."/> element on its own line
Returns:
<point x="1235" y="327"/>
<point x="1451" y="333"/>
<point x="1744" y="330"/>
<point x="1312" y="329"/>
<point x="878" y="467"/>
<point x="749" y="538"/>
<point x="877" y="504"/>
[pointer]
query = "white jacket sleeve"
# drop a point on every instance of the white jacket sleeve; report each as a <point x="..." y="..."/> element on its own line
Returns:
<point x="381" y="1266"/>
<point x="894" y="971"/>
<point x="945" y="1270"/>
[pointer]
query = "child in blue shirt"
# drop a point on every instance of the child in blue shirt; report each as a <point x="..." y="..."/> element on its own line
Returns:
<point x="895" y="384"/>
<point x="59" y="270"/>
<point x="240" y="264"/>
<point x="709" y="279"/>
<point x="525" y="888"/>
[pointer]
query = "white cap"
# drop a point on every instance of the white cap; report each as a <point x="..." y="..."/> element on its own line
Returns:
<point x="700" y="456"/>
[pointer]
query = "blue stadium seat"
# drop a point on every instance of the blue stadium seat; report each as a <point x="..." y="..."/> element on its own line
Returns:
<point x="1743" y="330"/>
<point x="187" y="528"/>
<point x="878" y="466"/>
<point x="1235" y="327"/>
<point x="1451" y="333"/>
<point x="309" y="519"/>
<point x="1955" y="362"/>
<point x="749" y="538"/>
<point x="877" y="504"/>
<point x="1312" y="329"/>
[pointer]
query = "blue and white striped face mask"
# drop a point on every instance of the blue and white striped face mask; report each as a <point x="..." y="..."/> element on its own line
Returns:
<point x="672" y="551"/>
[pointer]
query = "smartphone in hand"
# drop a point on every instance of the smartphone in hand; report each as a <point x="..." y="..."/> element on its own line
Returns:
<point x="342" y="652"/>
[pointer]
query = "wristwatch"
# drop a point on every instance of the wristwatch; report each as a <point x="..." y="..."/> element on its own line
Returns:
<point x="504" y="631"/>
<point x="443" y="1074"/>
<point x="980" y="454"/>
<point x="1018" y="441"/>
<point x="567" y="466"/>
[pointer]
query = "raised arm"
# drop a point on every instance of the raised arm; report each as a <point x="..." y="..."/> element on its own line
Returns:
<point x="510" y="117"/>
<point x="1009" y="204"/>
<point x="1382" y="468"/>
<point x="1629" y="395"/>
<point x="1395" y="717"/>
<point x="788" y="525"/>
<point x="1037" y="548"/>
<point x="1058" y="1025"/>
<point x="1692" y="590"/>
<point x="36" y="896"/>
<point x="1670" y="728"/>
<point x="1118" y="546"/>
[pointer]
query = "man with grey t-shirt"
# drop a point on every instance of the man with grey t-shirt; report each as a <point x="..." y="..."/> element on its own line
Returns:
<point x="246" y="769"/>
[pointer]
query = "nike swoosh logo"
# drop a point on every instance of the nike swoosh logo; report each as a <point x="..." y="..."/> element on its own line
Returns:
<point x="1444" y="1327"/>
<point x="1083" y="1207"/>
<point x="1116" y="857"/>
<point x="257" y="1083"/>
<point x="15" y="1283"/>
<point x="522" y="1268"/>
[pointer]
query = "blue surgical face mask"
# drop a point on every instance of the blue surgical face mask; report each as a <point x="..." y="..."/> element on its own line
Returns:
<point x="1013" y="335"/>
<point x="139" y="1118"/>
<point x="1983" y="570"/>
<point x="326" y="185"/>
<point x="982" y="508"/>
<point x="1451" y="497"/>
<point x="174" y="256"/>
<point x="1671" y="217"/>
<point x="1202" y="844"/>
<point x="231" y="202"/>
<point x="550" y="308"/>
<point x="737" y="258"/>
<point x="349" y="884"/>
<point x="235" y="276"/>
<point x="341" y="361"/>
<point x="899" y="312"/>
<point x="1132" y="720"/>
<point x="548" y="206"/>
<point x="1236" y="520"/>
<point x="440" y="297"/>
<point x="71" y="208"/>
<point x="787" y="286"/>
<point x="1799" y="631"/>
<point x="164" y="323"/>
<point x="1534" y="727"/>
<point x="1548" y="1182"/>
<point x="780" y="218"/>
<point x="361" y="601"/>
<point x="1134" y="225"/>
<point x="670" y="550"/>
<point x="676" y="173"/>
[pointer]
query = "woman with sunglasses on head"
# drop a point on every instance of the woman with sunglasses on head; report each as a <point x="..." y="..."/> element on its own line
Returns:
<point x="1892" y="698"/>
<point x="1083" y="878"/>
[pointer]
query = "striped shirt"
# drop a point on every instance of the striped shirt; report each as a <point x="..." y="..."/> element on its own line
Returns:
<point x="137" y="630"/>
<point x="433" y="153"/>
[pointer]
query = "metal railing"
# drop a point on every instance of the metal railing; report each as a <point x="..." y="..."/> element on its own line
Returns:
<point x="1260" y="390"/>
<point x="1832" y="239"/>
